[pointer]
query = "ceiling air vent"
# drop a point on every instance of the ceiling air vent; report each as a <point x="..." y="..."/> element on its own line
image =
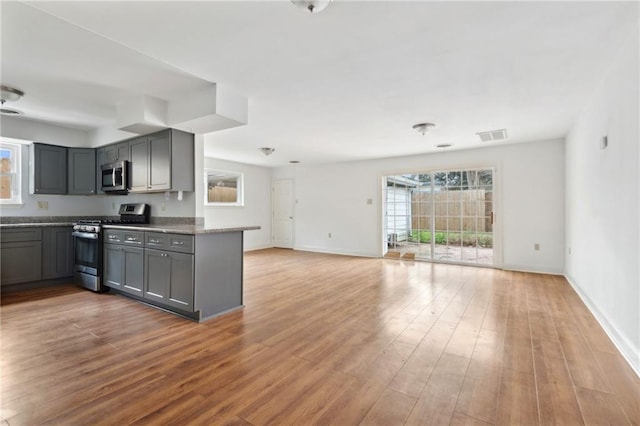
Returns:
<point x="10" y="111"/>
<point x="493" y="135"/>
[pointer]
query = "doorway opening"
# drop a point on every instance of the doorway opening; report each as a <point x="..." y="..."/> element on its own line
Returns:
<point x="441" y="216"/>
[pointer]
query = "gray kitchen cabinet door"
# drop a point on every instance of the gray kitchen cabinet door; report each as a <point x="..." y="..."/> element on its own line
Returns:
<point x="160" y="161"/>
<point x="133" y="270"/>
<point x="113" y="266"/>
<point x="157" y="275"/>
<point x="57" y="252"/>
<point x="101" y="158"/>
<point x="49" y="169"/>
<point x="82" y="170"/>
<point x="20" y="262"/>
<point x="181" y="284"/>
<point x="117" y="152"/>
<point x="139" y="167"/>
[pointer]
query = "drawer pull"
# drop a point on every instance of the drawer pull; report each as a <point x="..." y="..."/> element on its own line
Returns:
<point x="178" y="243"/>
<point x="132" y="239"/>
<point x="152" y="241"/>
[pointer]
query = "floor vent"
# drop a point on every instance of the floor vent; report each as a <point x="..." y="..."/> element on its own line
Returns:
<point x="493" y="135"/>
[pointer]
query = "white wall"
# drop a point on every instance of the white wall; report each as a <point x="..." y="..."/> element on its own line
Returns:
<point x="603" y="216"/>
<point x="35" y="131"/>
<point x="333" y="199"/>
<point x="257" y="203"/>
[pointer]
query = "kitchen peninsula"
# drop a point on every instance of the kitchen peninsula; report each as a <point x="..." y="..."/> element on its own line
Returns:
<point x="192" y="270"/>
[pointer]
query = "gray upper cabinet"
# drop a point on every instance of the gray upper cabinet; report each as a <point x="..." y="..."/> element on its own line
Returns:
<point x="57" y="252"/>
<point x="162" y="161"/>
<point x="82" y="171"/>
<point x="101" y="158"/>
<point x="49" y="169"/>
<point x="117" y="152"/>
<point x="139" y="168"/>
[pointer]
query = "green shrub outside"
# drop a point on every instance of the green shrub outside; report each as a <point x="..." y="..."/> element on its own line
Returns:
<point x="469" y="238"/>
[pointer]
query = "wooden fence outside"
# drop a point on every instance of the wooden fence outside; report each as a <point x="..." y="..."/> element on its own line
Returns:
<point x="466" y="210"/>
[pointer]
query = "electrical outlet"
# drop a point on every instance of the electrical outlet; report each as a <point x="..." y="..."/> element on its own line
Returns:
<point x="329" y="235"/>
<point x="369" y="201"/>
<point x="113" y="205"/>
<point x="536" y="246"/>
<point x="43" y="205"/>
<point x="569" y="250"/>
<point x="163" y="206"/>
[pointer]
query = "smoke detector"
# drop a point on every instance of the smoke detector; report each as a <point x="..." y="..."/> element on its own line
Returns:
<point x="492" y="135"/>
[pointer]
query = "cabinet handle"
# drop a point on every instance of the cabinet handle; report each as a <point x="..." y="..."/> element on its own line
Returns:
<point x="152" y="241"/>
<point x="178" y="243"/>
<point x="164" y="255"/>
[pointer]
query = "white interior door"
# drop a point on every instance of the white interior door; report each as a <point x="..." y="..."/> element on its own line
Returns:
<point x="282" y="214"/>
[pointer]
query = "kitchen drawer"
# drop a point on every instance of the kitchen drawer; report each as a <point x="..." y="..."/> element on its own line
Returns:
<point x="122" y="236"/>
<point x="19" y="235"/>
<point x="171" y="242"/>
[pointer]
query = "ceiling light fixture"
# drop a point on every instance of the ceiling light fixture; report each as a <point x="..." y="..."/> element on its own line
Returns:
<point x="9" y="94"/>
<point x="423" y="128"/>
<point x="312" y="6"/>
<point x="266" y="150"/>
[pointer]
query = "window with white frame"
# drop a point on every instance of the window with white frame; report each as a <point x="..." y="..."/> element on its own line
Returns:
<point x="10" y="173"/>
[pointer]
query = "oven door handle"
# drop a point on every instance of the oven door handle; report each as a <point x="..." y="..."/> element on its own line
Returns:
<point x="86" y="235"/>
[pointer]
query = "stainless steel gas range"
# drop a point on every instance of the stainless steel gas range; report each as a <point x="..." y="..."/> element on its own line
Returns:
<point x="87" y="244"/>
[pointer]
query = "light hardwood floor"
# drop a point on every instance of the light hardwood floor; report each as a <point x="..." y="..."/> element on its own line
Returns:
<point x="323" y="339"/>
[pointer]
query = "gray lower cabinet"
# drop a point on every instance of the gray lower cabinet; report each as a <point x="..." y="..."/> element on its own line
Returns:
<point x="49" y="169"/>
<point x="57" y="252"/>
<point x="198" y="276"/>
<point x="81" y="171"/>
<point x="20" y="256"/>
<point x="169" y="278"/>
<point x="35" y="254"/>
<point x="123" y="261"/>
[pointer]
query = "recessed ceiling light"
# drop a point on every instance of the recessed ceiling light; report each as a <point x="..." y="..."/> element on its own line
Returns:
<point x="443" y="145"/>
<point x="423" y="128"/>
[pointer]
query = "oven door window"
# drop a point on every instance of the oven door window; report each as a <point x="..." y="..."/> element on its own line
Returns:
<point x="87" y="254"/>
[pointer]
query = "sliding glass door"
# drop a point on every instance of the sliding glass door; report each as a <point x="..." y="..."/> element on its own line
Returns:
<point x="446" y="216"/>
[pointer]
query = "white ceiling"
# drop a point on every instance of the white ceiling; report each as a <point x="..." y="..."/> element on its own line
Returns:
<point x="347" y="83"/>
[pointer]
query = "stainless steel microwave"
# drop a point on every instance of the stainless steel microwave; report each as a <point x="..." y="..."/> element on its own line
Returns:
<point x="115" y="177"/>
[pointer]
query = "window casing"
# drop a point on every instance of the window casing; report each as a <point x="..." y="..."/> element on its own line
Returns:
<point x="10" y="173"/>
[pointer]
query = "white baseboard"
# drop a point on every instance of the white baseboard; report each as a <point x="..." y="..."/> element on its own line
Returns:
<point x="342" y="252"/>
<point x="534" y="270"/>
<point x="259" y="247"/>
<point x="630" y="354"/>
